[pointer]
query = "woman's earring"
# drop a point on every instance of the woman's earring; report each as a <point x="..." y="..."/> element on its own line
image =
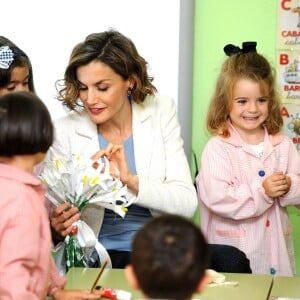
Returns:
<point x="129" y="94"/>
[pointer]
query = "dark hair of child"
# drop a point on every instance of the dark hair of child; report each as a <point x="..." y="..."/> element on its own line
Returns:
<point x="169" y="257"/>
<point x="25" y="125"/>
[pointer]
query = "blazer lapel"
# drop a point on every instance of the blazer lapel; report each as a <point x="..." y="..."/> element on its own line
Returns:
<point x="87" y="135"/>
<point x="143" y="137"/>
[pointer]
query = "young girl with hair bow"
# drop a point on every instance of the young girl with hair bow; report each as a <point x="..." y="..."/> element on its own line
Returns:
<point x="250" y="171"/>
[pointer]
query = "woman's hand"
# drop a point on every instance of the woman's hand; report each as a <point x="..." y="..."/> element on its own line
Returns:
<point x="117" y="158"/>
<point x="277" y="185"/>
<point x="63" y="217"/>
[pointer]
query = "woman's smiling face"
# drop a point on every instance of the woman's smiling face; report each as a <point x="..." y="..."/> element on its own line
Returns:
<point x="102" y="91"/>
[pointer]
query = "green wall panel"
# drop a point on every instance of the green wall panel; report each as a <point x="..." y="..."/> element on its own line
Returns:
<point x="218" y="23"/>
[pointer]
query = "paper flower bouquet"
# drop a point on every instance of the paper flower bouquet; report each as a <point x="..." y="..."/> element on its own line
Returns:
<point x="81" y="181"/>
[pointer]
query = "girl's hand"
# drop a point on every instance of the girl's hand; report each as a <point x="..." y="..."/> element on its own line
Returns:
<point x="117" y="158"/>
<point x="289" y="183"/>
<point x="76" y="295"/>
<point x="63" y="217"/>
<point x="277" y="185"/>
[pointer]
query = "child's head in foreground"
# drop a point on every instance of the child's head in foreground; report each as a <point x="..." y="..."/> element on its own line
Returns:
<point x="25" y="125"/>
<point x="169" y="259"/>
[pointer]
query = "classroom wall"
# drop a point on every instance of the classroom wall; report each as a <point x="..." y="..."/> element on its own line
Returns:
<point x="163" y="36"/>
<point x="218" y="23"/>
<point x="63" y="24"/>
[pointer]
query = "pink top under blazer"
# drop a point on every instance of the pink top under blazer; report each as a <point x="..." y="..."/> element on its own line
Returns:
<point x="27" y="270"/>
<point x="234" y="208"/>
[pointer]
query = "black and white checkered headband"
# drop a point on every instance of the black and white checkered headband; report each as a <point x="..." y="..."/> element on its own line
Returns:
<point x="6" y="57"/>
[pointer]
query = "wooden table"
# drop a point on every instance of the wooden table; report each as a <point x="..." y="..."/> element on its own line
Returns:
<point x="252" y="287"/>
<point x="286" y="287"/>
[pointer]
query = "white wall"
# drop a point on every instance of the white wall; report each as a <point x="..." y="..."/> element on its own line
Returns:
<point x="48" y="30"/>
<point x="162" y="30"/>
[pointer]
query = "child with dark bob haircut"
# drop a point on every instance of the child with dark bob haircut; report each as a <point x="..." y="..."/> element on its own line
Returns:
<point x="26" y="127"/>
<point x="27" y="270"/>
<point x="169" y="259"/>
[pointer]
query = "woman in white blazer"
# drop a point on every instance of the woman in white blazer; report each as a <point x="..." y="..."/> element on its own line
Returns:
<point x="117" y="113"/>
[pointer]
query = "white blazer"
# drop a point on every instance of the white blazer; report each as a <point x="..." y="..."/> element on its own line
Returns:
<point x="165" y="183"/>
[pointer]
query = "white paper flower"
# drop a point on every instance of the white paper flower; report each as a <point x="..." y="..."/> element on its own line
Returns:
<point x="76" y="180"/>
<point x="80" y="181"/>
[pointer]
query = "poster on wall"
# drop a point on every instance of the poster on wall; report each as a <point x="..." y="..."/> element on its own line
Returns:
<point x="288" y="75"/>
<point x="288" y="66"/>
<point x="288" y="21"/>
<point x="291" y="119"/>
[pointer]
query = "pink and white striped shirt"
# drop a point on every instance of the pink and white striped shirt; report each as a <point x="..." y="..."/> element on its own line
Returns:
<point x="234" y="208"/>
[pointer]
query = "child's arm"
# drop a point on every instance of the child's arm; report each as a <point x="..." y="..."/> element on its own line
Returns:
<point x="56" y="288"/>
<point x="291" y="158"/>
<point x="76" y="294"/>
<point x="19" y="249"/>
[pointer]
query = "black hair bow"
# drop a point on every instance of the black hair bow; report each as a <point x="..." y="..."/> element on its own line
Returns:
<point x="246" y="47"/>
